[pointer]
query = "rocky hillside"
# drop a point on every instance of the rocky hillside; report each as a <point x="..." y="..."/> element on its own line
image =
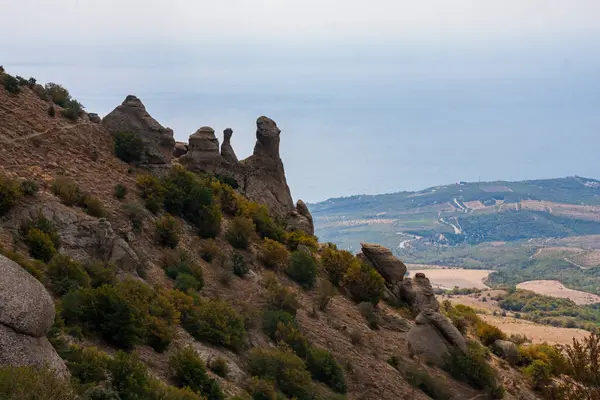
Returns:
<point x="135" y="267"/>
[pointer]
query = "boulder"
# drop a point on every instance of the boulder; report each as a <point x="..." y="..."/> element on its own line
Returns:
<point x="94" y="118"/>
<point x="382" y="259"/>
<point x="432" y="336"/>
<point x="131" y="116"/>
<point x="418" y="293"/>
<point x="394" y="322"/>
<point x="181" y="148"/>
<point x="300" y="219"/>
<point x="507" y="350"/>
<point x="25" y="305"/>
<point x="226" y="149"/>
<point x="203" y="150"/>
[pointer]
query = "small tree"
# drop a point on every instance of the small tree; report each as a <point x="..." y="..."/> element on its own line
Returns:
<point x="363" y="282"/>
<point x="167" y="231"/>
<point x="303" y="269"/>
<point x="128" y="147"/>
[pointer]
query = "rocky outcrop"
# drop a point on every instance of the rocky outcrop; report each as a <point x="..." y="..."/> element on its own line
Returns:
<point x="181" y="148"/>
<point x="226" y="149"/>
<point x="300" y="219"/>
<point x="203" y="151"/>
<point x="382" y="259"/>
<point x="418" y="293"/>
<point x="131" y="116"/>
<point x="507" y="350"/>
<point x="432" y="336"/>
<point x="26" y="315"/>
<point x="94" y="118"/>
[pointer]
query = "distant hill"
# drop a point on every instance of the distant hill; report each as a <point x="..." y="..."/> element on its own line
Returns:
<point x="537" y="229"/>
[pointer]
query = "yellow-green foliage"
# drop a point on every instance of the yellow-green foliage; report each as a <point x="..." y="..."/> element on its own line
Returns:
<point x="151" y="191"/>
<point x="209" y="250"/>
<point x="39" y="221"/>
<point x="33" y="383"/>
<point x="324" y="368"/>
<point x="303" y="269"/>
<point x="261" y="389"/>
<point x="363" y="283"/>
<point x="548" y="354"/>
<point x="279" y="296"/>
<point x="583" y="370"/>
<point x="40" y="245"/>
<point x="465" y="318"/>
<point x="539" y="373"/>
<point x="86" y="364"/>
<point x="274" y="255"/>
<point x="10" y="193"/>
<point x="67" y="190"/>
<point x="296" y="238"/>
<point x="488" y="333"/>
<point x="240" y="232"/>
<point x="181" y="266"/>
<point x="219" y="366"/>
<point x="190" y="371"/>
<point x="167" y="231"/>
<point x="216" y="322"/>
<point x="266" y="226"/>
<point x="290" y="334"/>
<point x="101" y="273"/>
<point x="92" y="205"/>
<point x="282" y="367"/>
<point x="126" y="314"/>
<point x="34" y="267"/>
<point x="67" y="275"/>
<point x="336" y="263"/>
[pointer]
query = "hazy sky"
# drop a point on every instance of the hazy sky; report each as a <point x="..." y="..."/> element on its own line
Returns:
<point x="371" y="97"/>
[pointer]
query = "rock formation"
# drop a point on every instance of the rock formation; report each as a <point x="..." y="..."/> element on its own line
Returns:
<point x="180" y="149"/>
<point x="432" y="336"/>
<point x="507" y="350"/>
<point x="226" y="149"/>
<point x="203" y="151"/>
<point x="26" y="315"/>
<point x="301" y="219"/>
<point x="382" y="259"/>
<point x="94" y="118"/>
<point x="418" y="293"/>
<point x="131" y="116"/>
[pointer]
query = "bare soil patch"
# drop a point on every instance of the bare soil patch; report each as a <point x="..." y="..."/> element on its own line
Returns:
<point x="448" y="278"/>
<point x="557" y="289"/>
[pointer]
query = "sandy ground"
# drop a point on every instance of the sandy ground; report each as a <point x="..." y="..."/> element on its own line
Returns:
<point x="556" y="289"/>
<point x="448" y="278"/>
<point x="537" y="333"/>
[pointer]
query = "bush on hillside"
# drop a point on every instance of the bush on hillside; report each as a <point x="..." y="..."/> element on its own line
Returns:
<point x="488" y="333"/>
<point x="539" y="374"/>
<point x="29" y="383"/>
<point x="283" y="367"/>
<point x="189" y="370"/>
<point x="279" y="296"/>
<point x="336" y="263"/>
<point x="86" y="364"/>
<point x="67" y="190"/>
<point x="364" y="283"/>
<point x="274" y="255"/>
<point x="219" y="366"/>
<point x="296" y="238"/>
<point x="367" y="310"/>
<point x="324" y="368"/>
<point x="51" y="111"/>
<point x="67" y="275"/>
<point x="266" y="226"/>
<point x="72" y="110"/>
<point x="92" y="205"/>
<point x="261" y="389"/>
<point x="181" y="262"/>
<point x="41" y="223"/>
<point x="303" y="269"/>
<point x="11" y="84"/>
<point x="239" y="265"/>
<point x="120" y="191"/>
<point x="151" y="191"/>
<point x="272" y="319"/>
<point x="128" y="147"/>
<point x="167" y="231"/>
<point x="291" y="335"/>
<point x="136" y="214"/>
<point x="216" y="322"/>
<point x="10" y="193"/>
<point x="40" y="245"/>
<point x="129" y="376"/>
<point x="101" y="273"/>
<point x="209" y="250"/>
<point x="326" y="293"/>
<point x="474" y="370"/>
<point x="429" y="385"/>
<point x="240" y="232"/>
<point x="57" y="94"/>
<point x="29" y="187"/>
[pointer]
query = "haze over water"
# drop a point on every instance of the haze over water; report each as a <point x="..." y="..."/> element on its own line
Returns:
<point x="364" y="107"/>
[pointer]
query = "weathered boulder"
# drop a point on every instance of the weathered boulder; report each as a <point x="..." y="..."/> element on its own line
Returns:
<point x="95" y="118"/>
<point x="226" y="149"/>
<point x="131" y="116"/>
<point x="300" y="219"/>
<point x="382" y="259"/>
<point x="203" y="150"/>
<point x="180" y="149"/>
<point x="394" y="322"/>
<point x="418" y="293"/>
<point x="432" y="336"/>
<point x="507" y="350"/>
<point x="25" y="305"/>
<point x="26" y="315"/>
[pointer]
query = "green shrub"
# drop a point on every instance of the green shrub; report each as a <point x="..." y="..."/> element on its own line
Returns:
<point x="488" y="333"/>
<point x="186" y="282"/>
<point x="72" y="110"/>
<point x="33" y="383"/>
<point x="272" y="319"/>
<point x="548" y="354"/>
<point x="336" y="263"/>
<point x="101" y="273"/>
<point x="51" y="111"/>
<point x="125" y="315"/>
<point x="239" y="232"/>
<point x="41" y="223"/>
<point x="67" y="190"/>
<point x="368" y="312"/>
<point x="266" y="227"/>
<point x="152" y="192"/>
<point x="474" y="370"/>
<point x="293" y="337"/>
<point x="274" y="255"/>
<point x="167" y="231"/>
<point x="128" y="147"/>
<point x="67" y="275"/>
<point x="324" y="368"/>
<point x="189" y="371"/>
<point x="40" y="245"/>
<point x="363" y="283"/>
<point x="296" y="238"/>
<point x="180" y="262"/>
<point x="240" y="268"/>
<point x="135" y="214"/>
<point x="120" y="191"/>
<point x="10" y="193"/>
<point x="57" y="94"/>
<point x="129" y="376"/>
<point x="209" y="250"/>
<point x="303" y="269"/>
<point x="11" y="84"/>
<point x="279" y="296"/>
<point x="286" y="369"/>
<point x="326" y="293"/>
<point x="219" y="366"/>
<point x="261" y="389"/>
<point x="429" y="385"/>
<point x="160" y="391"/>
<point x="29" y="188"/>
<point x="216" y="322"/>
<point x="92" y="205"/>
<point x="539" y="373"/>
<point x="86" y="364"/>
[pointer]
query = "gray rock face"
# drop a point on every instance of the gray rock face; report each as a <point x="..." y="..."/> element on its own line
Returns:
<point x="382" y="259"/>
<point x="301" y="219"/>
<point x="418" y="293"/>
<point x="131" y="116"/>
<point x="18" y="349"/>
<point x="180" y="149"/>
<point x="226" y="149"/>
<point x="267" y="138"/>
<point x="25" y="305"/>
<point x="507" y="350"/>
<point x="394" y="322"/>
<point x="203" y="150"/>
<point x="432" y="336"/>
<point x="94" y="118"/>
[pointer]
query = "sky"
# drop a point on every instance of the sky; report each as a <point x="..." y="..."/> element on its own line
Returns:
<point x="371" y="97"/>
